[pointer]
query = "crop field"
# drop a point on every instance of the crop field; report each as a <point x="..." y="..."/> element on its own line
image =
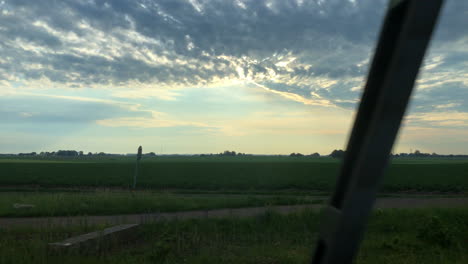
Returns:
<point x="227" y="173"/>
<point x="427" y="236"/>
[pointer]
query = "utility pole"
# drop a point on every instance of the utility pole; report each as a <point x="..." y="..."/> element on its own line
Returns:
<point x="140" y="150"/>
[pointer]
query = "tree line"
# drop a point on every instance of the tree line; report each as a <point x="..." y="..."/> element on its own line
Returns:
<point x="337" y="153"/>
<point x="74" y="153"/>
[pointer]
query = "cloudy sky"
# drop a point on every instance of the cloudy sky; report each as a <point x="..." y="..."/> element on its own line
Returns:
<point x="201" y="76"/>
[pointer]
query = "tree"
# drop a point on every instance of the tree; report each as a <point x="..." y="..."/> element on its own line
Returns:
<point x="67" y="153"/>
<point x="337" y="154"/>
<point x="228" y="153"/>
<point x="296" y="155"/>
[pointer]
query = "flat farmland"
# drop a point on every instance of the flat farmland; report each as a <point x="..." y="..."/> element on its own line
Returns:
<point x="71" y="192"/>
<point x="227" y="173"/>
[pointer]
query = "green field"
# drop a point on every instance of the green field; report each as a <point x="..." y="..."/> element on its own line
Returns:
<point x="427" y="236"/>
<point x="227" y="173"/>
<point x="129" y="202"/>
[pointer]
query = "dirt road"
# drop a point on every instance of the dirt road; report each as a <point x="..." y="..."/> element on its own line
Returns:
<point x="383" y="203"/>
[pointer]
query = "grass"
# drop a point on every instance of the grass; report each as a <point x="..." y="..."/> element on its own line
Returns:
<point x="394" y="236"/>
<point x="128" y="202"/>
<point x="228" y="173"/>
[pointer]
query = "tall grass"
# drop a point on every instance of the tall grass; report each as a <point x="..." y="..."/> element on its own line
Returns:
<point x="112" y="202"/>
<point x="393" y="236"/>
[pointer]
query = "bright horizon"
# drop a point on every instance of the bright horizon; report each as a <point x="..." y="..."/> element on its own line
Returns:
<point x="193" y="77"/>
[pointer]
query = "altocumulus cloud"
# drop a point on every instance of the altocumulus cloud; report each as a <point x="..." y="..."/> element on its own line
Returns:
<point x="312" y="52"/>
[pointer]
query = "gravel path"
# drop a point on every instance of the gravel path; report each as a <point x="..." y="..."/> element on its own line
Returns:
<point x="384" y="203"/>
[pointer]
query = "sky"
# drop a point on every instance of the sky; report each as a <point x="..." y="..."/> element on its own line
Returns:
<point x="202" y="76"/>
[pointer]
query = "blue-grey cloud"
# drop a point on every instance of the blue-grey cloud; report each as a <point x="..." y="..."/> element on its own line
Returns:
<point x="315" y="49"/>
<point x="49" y="110"/>
<point x="451" y="96"/>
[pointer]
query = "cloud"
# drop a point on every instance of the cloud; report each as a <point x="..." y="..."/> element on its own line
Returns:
<point x="59" y="109"/>
<point x="449" y="94"/>
<point x="297" y="98"/>
<point x="155" y="121"/>
<point x="79" y="111"/>
<point x="180" y="43"/>
<point x="451" y="119"/>
<point x="288" y="123"/>
<point x="312" y="52"/>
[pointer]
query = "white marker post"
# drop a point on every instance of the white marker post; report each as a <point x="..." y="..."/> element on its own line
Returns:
<point x="140" y="150"/>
